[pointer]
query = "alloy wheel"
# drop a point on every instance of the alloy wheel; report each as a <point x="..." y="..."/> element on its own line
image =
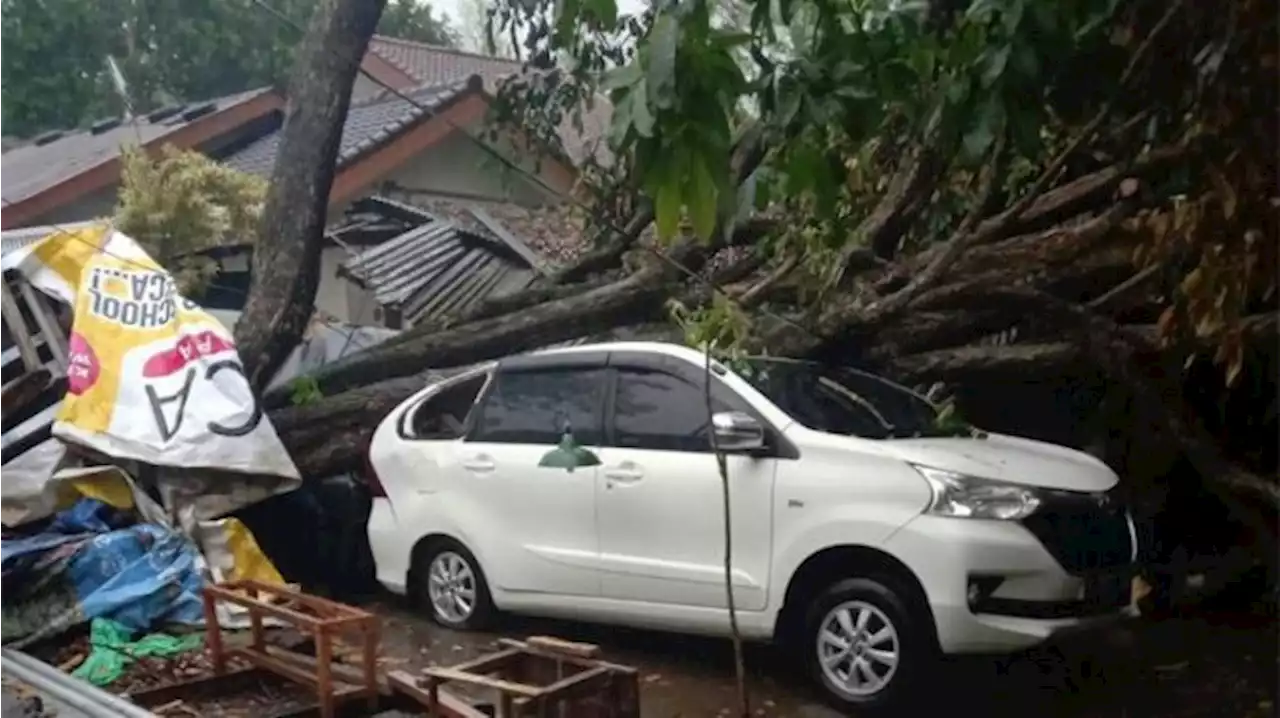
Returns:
<point x="451" y="586"/>
<point x="858" y="649"/>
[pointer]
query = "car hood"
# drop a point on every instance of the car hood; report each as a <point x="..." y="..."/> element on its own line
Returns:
<point x="1009" y="458"/>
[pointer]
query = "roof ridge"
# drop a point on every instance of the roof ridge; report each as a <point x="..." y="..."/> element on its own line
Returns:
<point x="438" y="48"/>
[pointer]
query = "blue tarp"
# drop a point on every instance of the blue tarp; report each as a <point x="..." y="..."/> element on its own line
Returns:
<point x="90" y="564"/>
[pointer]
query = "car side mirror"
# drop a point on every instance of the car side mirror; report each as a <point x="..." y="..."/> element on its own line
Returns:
<point x="737" y="432"/>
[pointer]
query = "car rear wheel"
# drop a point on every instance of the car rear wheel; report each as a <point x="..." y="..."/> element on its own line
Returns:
<point x="867" y="649"/>
<point x="452" y="587"/>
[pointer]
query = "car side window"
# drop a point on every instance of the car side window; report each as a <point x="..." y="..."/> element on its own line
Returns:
<point x="531" y="407"/>
<point x="444" y="416"/>
<point x="656" y="410"/>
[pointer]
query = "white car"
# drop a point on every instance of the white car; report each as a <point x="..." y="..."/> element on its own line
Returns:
<point x="863" y="535"/>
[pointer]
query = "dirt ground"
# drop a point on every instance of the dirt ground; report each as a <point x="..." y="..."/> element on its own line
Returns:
<point x="1211" y="665"/>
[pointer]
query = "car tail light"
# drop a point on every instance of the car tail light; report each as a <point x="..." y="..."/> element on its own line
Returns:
<point x="376" y="488"/>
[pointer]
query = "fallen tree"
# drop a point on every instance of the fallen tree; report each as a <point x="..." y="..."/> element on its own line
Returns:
<point x="935" y="226"/>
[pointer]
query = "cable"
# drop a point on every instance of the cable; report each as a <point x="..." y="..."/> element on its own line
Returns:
<point x="74" y="234"/>
<point x="488" y="149"/>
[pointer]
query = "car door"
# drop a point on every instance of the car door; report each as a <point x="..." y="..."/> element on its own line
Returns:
<point x="660" y="501"/>
<point x="535" y="525"/>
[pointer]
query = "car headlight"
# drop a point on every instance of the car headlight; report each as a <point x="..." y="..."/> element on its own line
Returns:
<point x="968" y="497"/>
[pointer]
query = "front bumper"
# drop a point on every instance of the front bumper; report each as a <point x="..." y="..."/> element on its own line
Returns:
<point x="994" y="587"/>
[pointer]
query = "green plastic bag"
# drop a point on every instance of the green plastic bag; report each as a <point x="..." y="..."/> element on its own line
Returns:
<point x="112" y="651"/>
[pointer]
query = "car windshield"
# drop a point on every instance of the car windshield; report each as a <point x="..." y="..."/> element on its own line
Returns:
<point x="846" y="401"/>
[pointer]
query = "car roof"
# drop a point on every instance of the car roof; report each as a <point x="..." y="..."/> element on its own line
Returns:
<point x="675" y="350"/>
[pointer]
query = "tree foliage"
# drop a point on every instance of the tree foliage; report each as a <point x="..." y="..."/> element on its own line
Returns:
<point x="181" y="204"/>
<point x="55" y="61"/>
<point x="899" y="111"/>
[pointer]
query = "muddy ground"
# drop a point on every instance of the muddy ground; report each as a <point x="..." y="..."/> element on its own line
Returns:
<point x="1219" y="665"/>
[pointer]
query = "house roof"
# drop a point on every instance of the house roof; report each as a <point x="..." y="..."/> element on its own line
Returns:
<point x="439" y="268"/>
<point x="427" y="65"/>
<point x="59" y="161"/>
<point x="367" y="126"/>
<point x="552" y="232"/>
<point x="434" y="65"/>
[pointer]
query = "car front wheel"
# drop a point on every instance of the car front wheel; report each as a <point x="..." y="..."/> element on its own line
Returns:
<point x="867" y="649"/>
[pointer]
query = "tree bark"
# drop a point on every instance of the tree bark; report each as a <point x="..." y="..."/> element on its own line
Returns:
<point x="286" y="259"/>
<point x="632" y="300"/>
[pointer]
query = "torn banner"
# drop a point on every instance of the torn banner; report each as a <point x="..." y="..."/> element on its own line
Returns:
<point x="152" y="377"/>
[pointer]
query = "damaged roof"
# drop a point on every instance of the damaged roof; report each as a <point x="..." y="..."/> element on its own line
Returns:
<point x="553" y="232"/>
<point x="367" y="127"/>
<point x="441" y="268"/>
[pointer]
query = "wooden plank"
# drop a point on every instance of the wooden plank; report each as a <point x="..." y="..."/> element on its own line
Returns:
<point x="275" y="665"/>
<point x="18" y="328"/>
<point x="24" y="390"/>
<point x="489" y="663"/>
<point x="48" y="323"/>
<point x="450" y="705"/>
<point x="596" y="679"/>
<point x="450" y="674"/>
<point x="344" y="673"/>
<point x="551" y="656"/>
<point x="559" y="645"/>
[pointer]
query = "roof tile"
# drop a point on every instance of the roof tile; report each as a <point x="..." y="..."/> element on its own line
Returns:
<point x="31" y="169"/>
<point x="367" y="127"/>
<point x="431" y="65"/>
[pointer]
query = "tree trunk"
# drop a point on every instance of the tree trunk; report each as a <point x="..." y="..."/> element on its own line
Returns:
<point x="286" y="259"/>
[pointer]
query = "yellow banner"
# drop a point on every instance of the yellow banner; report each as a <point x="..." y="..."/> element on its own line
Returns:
<point x="151" y="375"/>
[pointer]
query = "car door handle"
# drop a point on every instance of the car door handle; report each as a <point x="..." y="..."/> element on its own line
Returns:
<point x="478" y="464"/>
<point x="624" y="475"/>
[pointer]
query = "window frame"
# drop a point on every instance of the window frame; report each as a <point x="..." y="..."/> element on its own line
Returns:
<point x="405" y="422"/>
<point x="776" y="445"/>
<point x="542" y="364"/>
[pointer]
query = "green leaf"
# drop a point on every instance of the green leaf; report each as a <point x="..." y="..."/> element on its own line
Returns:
<point x="666" y="207"/>
<point x="702" y="200"/>
<point x="604" y="12"/>
<point x="1025" y="61"/>
<point x="566" y="20"/>
<point x="996" y="61"/>
<point x="663" y="41"/>
<point x="987" y="126"/>
<point x="1013" y="15"/>
<point x="619" y="77"/>
<point x="641" y="117"/>
<point x="1024" y="128"/>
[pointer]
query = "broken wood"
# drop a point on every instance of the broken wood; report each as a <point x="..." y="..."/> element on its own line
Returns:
<point x="541" y="677"/>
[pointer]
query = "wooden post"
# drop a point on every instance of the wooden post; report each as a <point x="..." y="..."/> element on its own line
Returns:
<point x="49" y="329"/>
<point x="213" y="634"/>
<point x="324" y="679"/>
<point x="18" y="328"/>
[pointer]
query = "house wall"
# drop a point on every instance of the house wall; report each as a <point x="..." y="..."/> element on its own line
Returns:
<point x="457" y="166"/>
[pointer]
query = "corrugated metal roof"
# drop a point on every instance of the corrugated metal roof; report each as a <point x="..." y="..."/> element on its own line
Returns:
<point x="15" y="239"/>
<point x="34" y="168"/>
<point x="367" y="127"/>
<point x="438" y="269"/>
